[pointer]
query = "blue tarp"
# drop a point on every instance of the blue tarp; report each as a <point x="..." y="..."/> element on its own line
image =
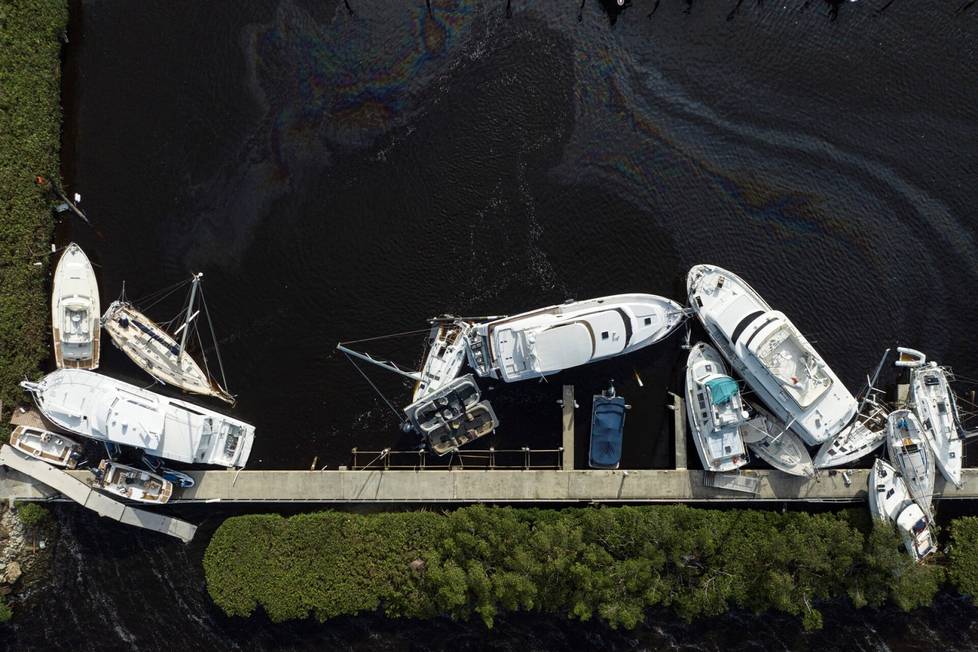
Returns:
<point x="722" y="389"/>
<point x="607" y="424"/>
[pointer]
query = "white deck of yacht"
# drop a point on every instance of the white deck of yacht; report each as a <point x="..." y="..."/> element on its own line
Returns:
<point x="70" y="485"/>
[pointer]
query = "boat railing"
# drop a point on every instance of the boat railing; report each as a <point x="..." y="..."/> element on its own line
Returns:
<point x="419" y="460"/>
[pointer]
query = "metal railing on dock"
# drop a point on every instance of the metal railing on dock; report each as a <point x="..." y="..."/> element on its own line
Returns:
<point x="420" y="460"/>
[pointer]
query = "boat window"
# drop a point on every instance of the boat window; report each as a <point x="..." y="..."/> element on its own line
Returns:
<point x="890" y="492"/>
<point x="186" y="409"/>
<point x="744" y="323"/>
<point x="604" y="335"/>
<point x="648" y="321"/>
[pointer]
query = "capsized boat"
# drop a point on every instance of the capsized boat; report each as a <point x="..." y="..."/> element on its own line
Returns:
<point x="607" y="428"/>
<point x="862" y="437"/>
<point x="452" y="416"/>
<point x="157" y="352"/>
<point x="890" y="501"/>
<point x="771" y="354"/>
<point x="771" y="440"/>
<point x="447" y="350"/>
<point x="934" y="403"/>
<point x="132" y="483"/>
<point x="910" y="453"/>
<point x="47" y="446"/>
<point x="75" y="311"/>
<point x="549" y="340"/>
<point x="109" y="410"/>
<point x="715" y="410"/>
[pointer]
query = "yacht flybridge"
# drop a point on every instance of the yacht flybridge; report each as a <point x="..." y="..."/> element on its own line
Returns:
<point x="75" y="311"/>
<point x="157" y="352"/>
<point x="549" y="340"/>
<point x="109" y="410"/>
<point x="771" y="354"/>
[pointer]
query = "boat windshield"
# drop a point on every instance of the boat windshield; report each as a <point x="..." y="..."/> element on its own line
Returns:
<point x="722" y="389"/>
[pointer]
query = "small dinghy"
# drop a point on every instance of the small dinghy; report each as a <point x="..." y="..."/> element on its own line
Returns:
<point x="934" y="403"/>
<point x="715" y="410"/>
<point x="75" y="311"/>
<point x="890" y="501"/>
<point x="865" y="435"/>
<point x="132" y="483"/>
<point x="607" y="428"/>
<point x="47" y="446"/>
<point x="911" y="454"/>
<point x="771" y="440"/>
<point x="452" y="416"/>
<point x="178" y="478"/>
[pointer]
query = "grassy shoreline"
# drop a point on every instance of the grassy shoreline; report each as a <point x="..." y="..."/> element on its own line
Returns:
<point x="611" y="564"/>
<point x="30" y="140"/>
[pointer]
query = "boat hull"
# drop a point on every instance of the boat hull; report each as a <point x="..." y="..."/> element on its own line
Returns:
<point x="703" y="363"/>
<point x="132" y="484"/>
<point x="733" y="314"/>
<point x="46" y="446"/>
<point x="934" y="404"/>
<point x="156" y="352"/>
<point x="109" y="410"/>
<point x="779" y="446"/>
<point x="75" y="311"/>
<point x="910" y="452"/>
<point x="857" y="441"/>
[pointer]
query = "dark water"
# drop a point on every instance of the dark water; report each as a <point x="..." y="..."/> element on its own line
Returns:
<point x="342" y="176"/>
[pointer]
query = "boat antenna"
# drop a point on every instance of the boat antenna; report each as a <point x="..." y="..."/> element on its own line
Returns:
<point x="190" y="307"/>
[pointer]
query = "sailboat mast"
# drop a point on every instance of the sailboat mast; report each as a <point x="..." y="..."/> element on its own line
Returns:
<point x="390" y="366"/>
<point x="190" y="308"/>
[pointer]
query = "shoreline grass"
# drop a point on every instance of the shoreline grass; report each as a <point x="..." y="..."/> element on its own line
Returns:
<point x="30" y="133"/>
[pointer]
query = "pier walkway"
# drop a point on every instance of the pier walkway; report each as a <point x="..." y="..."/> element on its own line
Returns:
<point x="71" y="486"/>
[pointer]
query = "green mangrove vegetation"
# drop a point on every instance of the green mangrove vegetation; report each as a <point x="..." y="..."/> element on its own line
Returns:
<point x="606" y="563"/>
<point x="30" y="129"/>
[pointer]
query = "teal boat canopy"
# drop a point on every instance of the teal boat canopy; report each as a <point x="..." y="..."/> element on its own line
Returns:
<point x="722" y="389"/>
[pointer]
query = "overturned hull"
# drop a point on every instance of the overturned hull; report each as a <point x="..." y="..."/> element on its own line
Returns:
<point x="452" y="416"/>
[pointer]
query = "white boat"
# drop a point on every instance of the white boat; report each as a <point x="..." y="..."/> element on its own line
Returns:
<point x="109" y="410"/>
<point x="775" y="359"/>
<point x="715" y="410"/>
<point x="452" y="416"/>
<point x="890" y="501"/>
<point x="446" y="354"/>
<point x="771" y="440"/>
<point x="75" y="311"/>
<point x="862" y="437"/>
<point x="549" y="340"/>
<point x="157" y="352"/>
<point x="46" y="446"/>
<point x="911" y="454"/>
<point x="132" y="483"/>
<point x="934" y="403"/>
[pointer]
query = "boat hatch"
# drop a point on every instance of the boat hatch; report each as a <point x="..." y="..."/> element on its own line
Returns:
<point x="563" y="347"/>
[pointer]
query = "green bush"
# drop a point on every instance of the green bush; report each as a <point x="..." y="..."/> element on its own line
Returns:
<point x="963" y="570"/>
<point x="32" y="514"/>
<point x="5" y="612"/>
<point x="606" y="563"/>
<point x="30" y="128"/>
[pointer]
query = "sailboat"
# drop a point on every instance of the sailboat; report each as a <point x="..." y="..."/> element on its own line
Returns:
<point x="715" y="410"/>
<point x="771" y="354"/>
<point x="157" y="352"/>
<point x="771" y="440"/>
<point x="890" y="501"/>
<point x="75" y="311"/>
<point x="910" y="452"/>
<point x="866" y="434"/>
<point x="934" y="403"/>
<point x="548" y="340"/>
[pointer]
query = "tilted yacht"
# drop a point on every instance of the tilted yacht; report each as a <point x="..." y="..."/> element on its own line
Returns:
<point x="911" y="454"/>
<point x="75" y="311"/>
<point x="106" y="409"/>
<point x="862" y="437"/>
<point x="890" y="501"/>
<point x="771" y="354"/>
<point x="771" y="440"/>
<point x="549" y="340"/>
<point x="934" y="403"/>
<point x="715" y="410"/>
<point x="452" y="416"/>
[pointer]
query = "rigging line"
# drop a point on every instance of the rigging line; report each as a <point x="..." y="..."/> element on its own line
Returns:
<point x="379" y="393"/>
<point x="383" y="337"/>
<point x="154" y="298"/>
<point x="203" y="355"/>
<point x="217" y="349"/>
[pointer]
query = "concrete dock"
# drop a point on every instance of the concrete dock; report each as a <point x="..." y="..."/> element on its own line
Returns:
<point x="568" y="425"/>
<point x="59" y="484"/>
